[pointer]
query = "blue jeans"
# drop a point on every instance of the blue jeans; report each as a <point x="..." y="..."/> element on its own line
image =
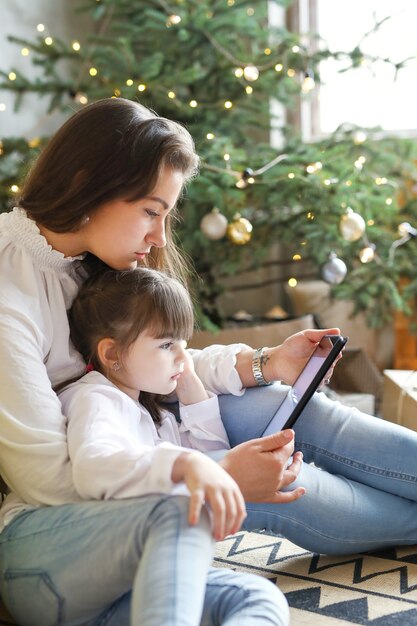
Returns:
<point x="360" y="473"/>
<point x="126" y="562"/>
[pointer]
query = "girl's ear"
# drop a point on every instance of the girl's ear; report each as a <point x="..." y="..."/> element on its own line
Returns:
<point x="107" y="353"/>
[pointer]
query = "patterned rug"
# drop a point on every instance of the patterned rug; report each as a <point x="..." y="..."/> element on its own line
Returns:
<point x="373" y="589"/>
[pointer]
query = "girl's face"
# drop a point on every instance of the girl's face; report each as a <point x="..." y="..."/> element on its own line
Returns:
<point x="152" y="365"/>
<point x="122" y="233"/>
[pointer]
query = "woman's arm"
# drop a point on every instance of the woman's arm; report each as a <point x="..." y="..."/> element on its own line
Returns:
<point x="228" y="369"/>
<point x="283" y="362"/>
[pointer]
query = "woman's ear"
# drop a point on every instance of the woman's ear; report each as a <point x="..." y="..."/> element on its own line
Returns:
<point x="107" y="353"/>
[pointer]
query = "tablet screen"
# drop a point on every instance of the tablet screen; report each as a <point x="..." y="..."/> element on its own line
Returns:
<point x="307" y="383"/>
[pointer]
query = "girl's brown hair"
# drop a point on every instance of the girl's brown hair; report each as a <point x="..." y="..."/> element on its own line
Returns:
<point x="122" y="305"/>
<point x="111" y="149"/>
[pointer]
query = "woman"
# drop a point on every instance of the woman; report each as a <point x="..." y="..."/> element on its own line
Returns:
<point x="104" y="190"/>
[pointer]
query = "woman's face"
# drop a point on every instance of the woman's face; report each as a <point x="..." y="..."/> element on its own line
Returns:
<point x="122" y="233"/>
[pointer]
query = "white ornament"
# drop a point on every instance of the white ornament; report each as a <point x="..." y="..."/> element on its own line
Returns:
<point x="352" y="225"/>
<point x="335" y="270"/>
<point x="214" y="225"/>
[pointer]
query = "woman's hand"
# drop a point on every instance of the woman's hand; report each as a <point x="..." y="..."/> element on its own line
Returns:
<point x="260" y="468"/>
<point x="283" y="362"/>
<point x="209" y="483"/>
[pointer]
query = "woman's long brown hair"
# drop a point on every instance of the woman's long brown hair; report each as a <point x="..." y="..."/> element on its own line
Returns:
<point x="111" y="149"/>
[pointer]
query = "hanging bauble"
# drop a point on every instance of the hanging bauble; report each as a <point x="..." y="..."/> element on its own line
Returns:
<point x="239" y="231"/>
<point x="214" y="225"/>
<point x="352" y="225"/>
<point x="335" y="270"/>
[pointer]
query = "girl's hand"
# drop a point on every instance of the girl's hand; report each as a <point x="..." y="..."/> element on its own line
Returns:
<point x="260" y="468"/>
<point x="190" y="389"/>
<point x="286" y="361"/>
<point x="209" y="483"/>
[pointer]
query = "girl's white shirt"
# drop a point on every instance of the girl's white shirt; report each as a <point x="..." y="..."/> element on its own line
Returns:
<point x="117" y="451"/>
<point x="37" y="287"/>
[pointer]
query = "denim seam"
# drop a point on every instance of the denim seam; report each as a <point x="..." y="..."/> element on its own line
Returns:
<point x="316" y="532"/>
<point x="355" y="464"/>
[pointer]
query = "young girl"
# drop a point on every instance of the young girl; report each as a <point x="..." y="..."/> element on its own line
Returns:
<point x="103" y="193"/>
<point x="131" y="328"/>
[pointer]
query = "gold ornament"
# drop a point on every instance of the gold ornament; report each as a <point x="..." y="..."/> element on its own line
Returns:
<point x="214" y="225"/>
<point x="352" y="225"/>
<point x="239" y="231"/>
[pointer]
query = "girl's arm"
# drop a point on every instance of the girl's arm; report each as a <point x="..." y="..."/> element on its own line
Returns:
<point x="116" y="454"/>
<point x="201" y="426"/>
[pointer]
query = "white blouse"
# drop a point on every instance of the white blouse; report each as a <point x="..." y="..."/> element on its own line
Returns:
<point x="37" y="287"/>
<point x="117" y="451"/>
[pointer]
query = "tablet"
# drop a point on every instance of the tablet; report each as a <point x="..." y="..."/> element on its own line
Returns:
<point x="307" y="383"/>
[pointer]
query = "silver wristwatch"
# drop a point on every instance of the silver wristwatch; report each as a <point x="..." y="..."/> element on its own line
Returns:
<point x="257" y="368"/>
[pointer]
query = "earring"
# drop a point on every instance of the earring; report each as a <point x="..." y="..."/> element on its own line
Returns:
<point x="85" y="220"/>
<point x="116" y="366"/>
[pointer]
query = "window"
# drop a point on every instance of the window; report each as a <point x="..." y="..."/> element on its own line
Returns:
<point x="366" y="97"/>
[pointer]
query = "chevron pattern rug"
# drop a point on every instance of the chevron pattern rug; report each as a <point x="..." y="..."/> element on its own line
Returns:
<point x="373" y="589"/>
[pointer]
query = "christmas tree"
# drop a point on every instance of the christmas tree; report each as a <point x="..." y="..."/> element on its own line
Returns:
<point x="215" y="66"/>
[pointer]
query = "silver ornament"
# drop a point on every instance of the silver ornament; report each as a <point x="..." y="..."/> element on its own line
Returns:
<point x="334" y="271"/>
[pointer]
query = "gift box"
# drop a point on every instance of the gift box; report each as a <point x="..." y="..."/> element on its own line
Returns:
<point x="399" y="400"/>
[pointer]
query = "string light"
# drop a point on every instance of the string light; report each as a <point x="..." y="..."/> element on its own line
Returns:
<point x="239" y="72"/>
<point x="40" y="28"/>
<point x="14" y="188"/>
<point x="81" y="98"/>
<point x="228" y="104"/>
<point x="367" y="254"/>
<point x="12" y="76"/>
<point x="76" y="46"/>
<point x="34" y="143"/>
<point x="93" y="71"/>
<point x="291" y="175"/>
<point x="292" y="282"/>
<point x="291" y="72"/>
<point x="251" y="73"/>
<point x="279" y="67"/>
<point x="142" y="87"/>
<point x="210" y="136"/>
<point x="48" y="41"/>
<point x="308" y="83"/>
<point x="388" y="201"/>
<point x="193" y="104"/>
<point x="2" y="106"/>
<point x="296" y="257"/>
<point x="24" y="52"/>
<point x="129" y="82"/>
<point x="173" y="20"/>
<point x="171" y="95"/>
<point x="249" y="90"/>
<point x="312" y="168"/>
